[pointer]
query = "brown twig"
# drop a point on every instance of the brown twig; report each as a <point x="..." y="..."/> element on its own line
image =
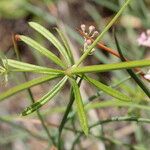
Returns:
<point x="109" y="50"/>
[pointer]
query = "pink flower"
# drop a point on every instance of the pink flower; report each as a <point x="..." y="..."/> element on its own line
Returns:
<point x="144" y="39"/>
<point x="147" y="76"/>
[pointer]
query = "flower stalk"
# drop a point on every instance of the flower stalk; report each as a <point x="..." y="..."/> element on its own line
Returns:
<point x="102" y="34"/>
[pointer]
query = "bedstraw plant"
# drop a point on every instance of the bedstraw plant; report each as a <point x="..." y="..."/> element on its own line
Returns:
<point x="69" y="71"/>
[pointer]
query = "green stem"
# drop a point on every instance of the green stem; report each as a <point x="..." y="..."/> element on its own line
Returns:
<point x="114" y="119"/>
<point x="130" y="71"/>
<point x="76" y="141"/>
<point x="64" y="120"/>
<point x="102" y="34"/>
<point x="117" y="119"/>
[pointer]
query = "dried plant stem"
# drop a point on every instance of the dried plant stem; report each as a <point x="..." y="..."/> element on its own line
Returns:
<point x="109" y="50"/>
<point x="100" y="45"/>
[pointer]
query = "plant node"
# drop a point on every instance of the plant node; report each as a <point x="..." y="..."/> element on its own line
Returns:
<point x="68" y="72"/>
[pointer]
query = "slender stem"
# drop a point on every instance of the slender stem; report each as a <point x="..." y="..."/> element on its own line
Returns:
<point x="131" y="72"/>
<point x="76" y="140"/>
<point x="110" y="120"/>
<point x="102" y="34"/>
<point x="117" y="119"/>
<point x="31" y="96"/>
<point x="64" y="120"/>
<point x="114" y="119"/>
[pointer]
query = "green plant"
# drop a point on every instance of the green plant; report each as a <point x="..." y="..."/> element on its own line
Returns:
<point x="69" y="71"/>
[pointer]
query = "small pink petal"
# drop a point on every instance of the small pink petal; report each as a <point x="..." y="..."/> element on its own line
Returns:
<point x="147" y="76"/>
<point x="143" y="36"/>
<point x="144" y="39"/>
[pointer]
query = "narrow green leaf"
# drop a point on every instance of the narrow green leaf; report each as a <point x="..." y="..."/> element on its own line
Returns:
<point x="100" y="104"/>
<point x="109" y="67"/>
<point x="26" y="85"/>
<point x="48" y="35"/>
<point x="66" y="44"/>
<point x="47" y="97"/>
<point x="66" y="113"/>
<point x="42" y="50"/>
<point x="131" y="72"/>
<point x="80" y="108"/>
<point x="25" y="67"/>
<point x="108" y="89"/>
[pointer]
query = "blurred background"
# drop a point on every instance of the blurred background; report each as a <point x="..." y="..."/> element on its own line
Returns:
<point x="68" y="15"/>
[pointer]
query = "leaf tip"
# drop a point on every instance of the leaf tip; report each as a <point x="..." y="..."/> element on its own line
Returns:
<point x="31" y="108"/>
<point x="32" y="24"/>
<point x="25" y="112"/>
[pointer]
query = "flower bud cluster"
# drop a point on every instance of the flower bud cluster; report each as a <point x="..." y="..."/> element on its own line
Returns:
<point x="90" y="32"/>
